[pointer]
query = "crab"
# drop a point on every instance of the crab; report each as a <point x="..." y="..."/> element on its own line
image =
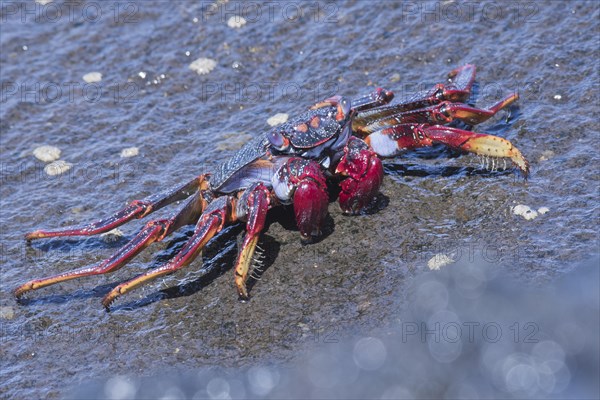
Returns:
<point x="336" y="140"/>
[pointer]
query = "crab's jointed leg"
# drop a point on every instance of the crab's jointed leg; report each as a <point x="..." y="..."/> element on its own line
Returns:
<point x="254" y="203"/>
<point x="377" y="98"/>
<point x="211" y="222"/>
<point x="442" y="113"/>
<point x="135" y="209"/>
<point x="461" y="82"/>
<point x="392" y="141"/>
<point x="473" y="115"/>
<point x="153" y="231"/>
<point x="478" y="143"/>
<point x="457" y="90"/>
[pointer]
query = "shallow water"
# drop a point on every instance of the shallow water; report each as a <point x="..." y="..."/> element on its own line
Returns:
<point x="284" y="58"/>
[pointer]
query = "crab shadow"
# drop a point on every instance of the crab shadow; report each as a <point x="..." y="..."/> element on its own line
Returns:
<point x="66" y="245"/>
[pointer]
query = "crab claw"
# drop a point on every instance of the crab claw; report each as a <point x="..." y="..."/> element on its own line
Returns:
<point x="310" y="201"/>
<point x="301" y="182"/>
<point x="365" y="175"/>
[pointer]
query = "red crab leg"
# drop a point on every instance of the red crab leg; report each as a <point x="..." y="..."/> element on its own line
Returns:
<point x="136" y="209"/>
<point x="473" y="116"/>
<point x="442" y="113"/>
<point x="365" y="175"/>
<point x="255" y="200"/>
<point x="211" y="222"/>
<point x="391" y="141"/>
<point x="298" y="180"/>
<point x="458" y="90"/>
<point x="153" y="231"/>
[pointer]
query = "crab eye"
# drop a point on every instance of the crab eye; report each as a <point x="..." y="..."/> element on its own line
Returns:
<point x="277" y="140"/>
<point x="343" y="109"/>
<point x="345" y="106"/>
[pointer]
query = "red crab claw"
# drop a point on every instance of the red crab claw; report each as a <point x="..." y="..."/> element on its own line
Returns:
<point x="310" y="200"/>
<point x="302" y="182"/>
<point x="365" y="175"/>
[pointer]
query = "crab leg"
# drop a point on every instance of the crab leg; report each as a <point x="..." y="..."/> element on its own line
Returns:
<point x="471" y="115"/>
<point x="211" y="222"/>
<point x="299" y="181"/>
<point x="458" y="90"/>
<point x="135" y="209"/>
<point x="255" y="203"/>
<point x="442" y="113"/>
<point x="153" y="231"/>
<point x="392" y="141"/>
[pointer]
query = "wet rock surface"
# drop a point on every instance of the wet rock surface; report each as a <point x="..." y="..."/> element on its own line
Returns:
<point x="358" y="276"/>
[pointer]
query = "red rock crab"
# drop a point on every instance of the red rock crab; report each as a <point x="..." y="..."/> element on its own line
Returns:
<point x="292" y="164"/>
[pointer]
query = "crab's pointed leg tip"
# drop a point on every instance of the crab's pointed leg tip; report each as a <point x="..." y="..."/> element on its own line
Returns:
<point x="109" y="299"/>
<point x="521" y="163"/>
<point x="526" y="171"/>
<point x="21" y="290"/>
<point x="36" y="235"/>
<point x="106" y="304"/>
<point x="243" y="298"/>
